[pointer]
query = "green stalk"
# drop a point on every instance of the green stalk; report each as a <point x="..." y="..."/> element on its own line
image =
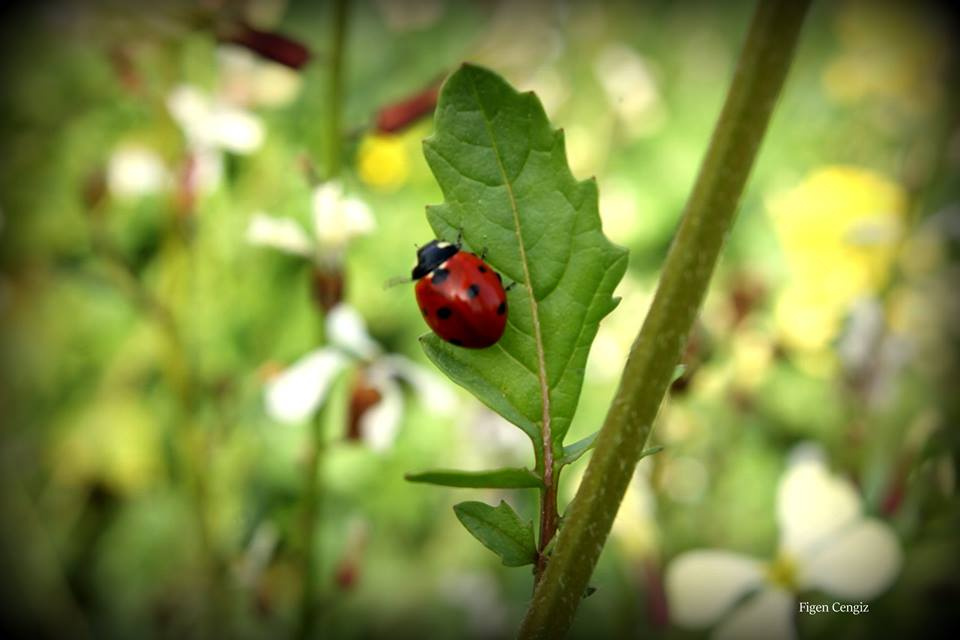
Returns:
<point x="311" y="511"/>
<point x="335" y="89"/>
<point x="313" y="486"/>
<point x="707" y="220"/>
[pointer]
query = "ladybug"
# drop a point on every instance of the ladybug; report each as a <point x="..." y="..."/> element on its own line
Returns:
<point x="460" y="296"/>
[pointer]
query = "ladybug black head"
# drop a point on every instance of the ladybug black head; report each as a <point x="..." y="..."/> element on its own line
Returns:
<point x="432" y="255"/>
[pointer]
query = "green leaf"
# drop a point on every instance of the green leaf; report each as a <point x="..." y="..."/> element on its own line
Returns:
<point x="507" y="187"/>
<point x="650" y="451"/>
<point x="573" y="452"/>
<point x="494" y="479"/>
<point x="678" y="372"/>
<point x="500" y="530"/>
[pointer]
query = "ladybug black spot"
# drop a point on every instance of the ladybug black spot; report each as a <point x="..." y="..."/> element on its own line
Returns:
<point x="439" y="276"/>
<point x="444" y="312"/>
<point x="473" y="291"/>
<point x="456" y="342"/>
<point x="502" y="309"/>
<point x="482" y="269"/>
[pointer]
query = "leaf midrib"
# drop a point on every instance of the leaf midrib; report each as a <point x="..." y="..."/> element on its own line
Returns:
<point x="546" y="435"/>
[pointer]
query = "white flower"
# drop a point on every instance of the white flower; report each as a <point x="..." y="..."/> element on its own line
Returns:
<point x="336" y="219"/>
<point x="250" y="80"/>
<point x="208" y="122"/>
<point x="297" y="392"/>
<point x="826" y="543"/>
<point x="294" y="394"/>
<point x="135" y="171"/>
<point x="284" y="234"/>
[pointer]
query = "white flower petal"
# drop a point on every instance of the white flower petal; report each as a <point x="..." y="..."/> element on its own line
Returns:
<point x="284" y="234"/>
<point x="326" y="200"/>
<point x="296" y="393"/>
<point x="136" y="171"/>
<point x="235" y="129"/>
<point x="858" y="562"/>
<point x="209" y="124"/>
<point x="276" y="85"/>
<point x="358" y="217"/>
<point x="380" y="423"/>
<point x="435" y="393"/>
<point x="336" y="219"/>
<point x="347" y="330"/>
<point x="812" y="504"/>
<point x="190" y="107"/>
<point x="702" y="585"/>
<point x="768" y="615"/>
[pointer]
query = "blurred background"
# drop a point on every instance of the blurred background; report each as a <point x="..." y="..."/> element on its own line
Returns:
<point x="209" y="400"/>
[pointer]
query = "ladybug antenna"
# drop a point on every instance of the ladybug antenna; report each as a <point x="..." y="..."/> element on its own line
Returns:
<point x="397" y="280"/>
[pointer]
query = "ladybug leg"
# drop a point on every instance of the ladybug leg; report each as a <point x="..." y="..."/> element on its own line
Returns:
<point x="510" y="286"/>
<point x="459" y="237"/>
<point x="483" y="253"/>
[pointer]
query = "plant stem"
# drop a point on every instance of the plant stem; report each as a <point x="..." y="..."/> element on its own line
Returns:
<point x="708" y="217"/>
<point x="549" y="519"/>
<point x="312" y="502"/>
<point x="335" y="88"/>
<point x="313" y="486"/>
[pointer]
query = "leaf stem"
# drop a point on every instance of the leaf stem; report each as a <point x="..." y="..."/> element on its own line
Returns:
<point x="708" y="217"/>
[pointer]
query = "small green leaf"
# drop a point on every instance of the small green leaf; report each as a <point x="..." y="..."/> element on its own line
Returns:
<point x="500" y="530"/>
<point x="678" y="372"/>
<point x="573" y="452"/>
<point x="508" y="189"/>
<point x="493" y="479"/>
<point x="650" y="451"/>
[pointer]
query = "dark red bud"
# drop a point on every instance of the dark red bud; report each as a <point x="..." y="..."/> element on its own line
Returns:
<point x="123" y="65"/>
<point x="269" y="45"/>
<point x="347" y="575"/>
<point x="326" y="286"/>
<point x="400" y="115"/>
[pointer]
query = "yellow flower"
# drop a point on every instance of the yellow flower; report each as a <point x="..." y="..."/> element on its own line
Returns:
<point x="839" y="230"/>
<point x="384" y="162"/>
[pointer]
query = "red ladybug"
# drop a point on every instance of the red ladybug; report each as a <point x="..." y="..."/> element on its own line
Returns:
<point x="460" y="296"/>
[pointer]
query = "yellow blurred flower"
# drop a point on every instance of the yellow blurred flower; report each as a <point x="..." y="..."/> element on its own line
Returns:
<point x="384" y="161"/>
<point x="839" y="230"/>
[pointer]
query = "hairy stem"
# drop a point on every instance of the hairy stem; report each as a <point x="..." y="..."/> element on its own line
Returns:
<point x="708" y="217"/>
